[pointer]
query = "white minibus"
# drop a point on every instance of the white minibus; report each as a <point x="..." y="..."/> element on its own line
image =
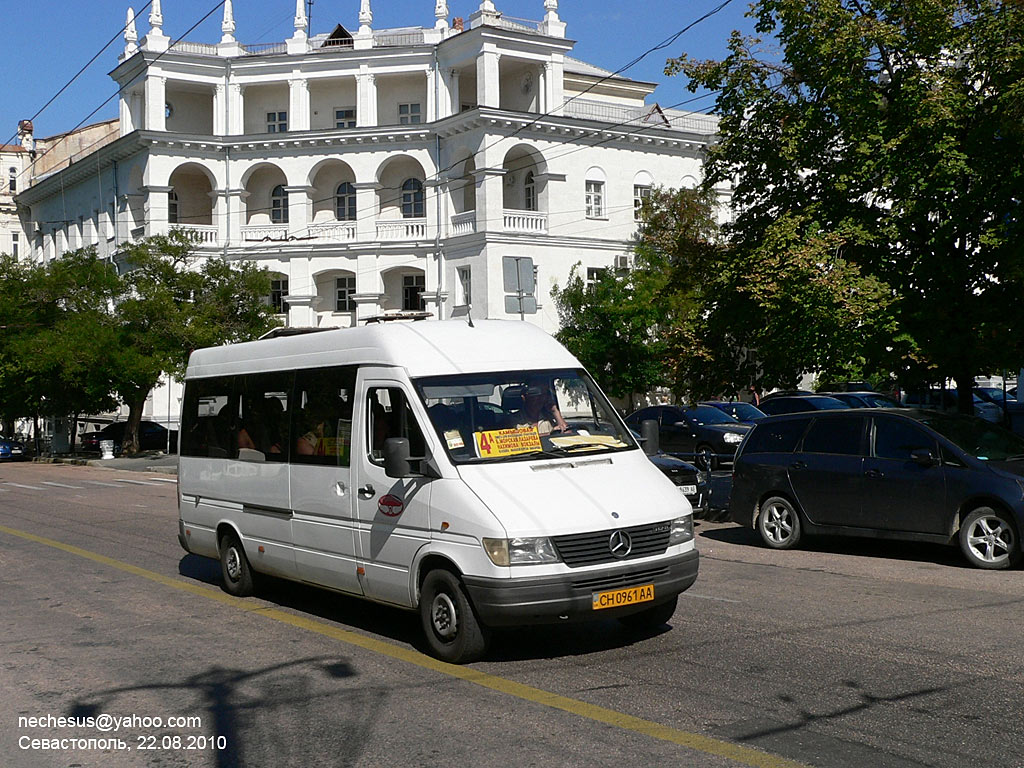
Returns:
<point x="474" y="473"/>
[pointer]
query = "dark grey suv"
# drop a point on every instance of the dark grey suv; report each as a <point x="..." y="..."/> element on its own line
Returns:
<point x="901" y="474"/>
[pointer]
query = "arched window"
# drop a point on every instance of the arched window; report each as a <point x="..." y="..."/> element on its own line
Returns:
<point x="172" y="207"/>
<point x="530" y="192"/>
<point x="345" y="202"/>
<point x="279" y="205"/>
<point x="412" y="199"/>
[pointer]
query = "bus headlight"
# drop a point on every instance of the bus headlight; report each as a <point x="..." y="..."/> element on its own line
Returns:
<point x="681" y="530"/>
<point x="521" y="550"/>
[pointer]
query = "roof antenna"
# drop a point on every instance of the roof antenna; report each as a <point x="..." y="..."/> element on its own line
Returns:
<point x="469" y="315"/>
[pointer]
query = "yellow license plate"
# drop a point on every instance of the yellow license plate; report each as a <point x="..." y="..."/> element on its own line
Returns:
<point x="617" y="598"/>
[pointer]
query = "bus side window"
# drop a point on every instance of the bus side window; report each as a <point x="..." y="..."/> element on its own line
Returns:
<point x="391" y="416"/>
<point x="207" y="418"/>
<point x="322" y="416"/>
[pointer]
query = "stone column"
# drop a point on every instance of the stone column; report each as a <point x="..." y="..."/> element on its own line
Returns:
<point x="220" y="125"/>
<point x="366" y="99"/>
<point x="489" y="199"/>
<point x="156" y="209"/>
<point x="236" y="109"/>
<point x="156" y="101"/>
<point x="298" y="105"/>
<point x="366" y="211"/>
<point x="556" y="73"/>
<point x="299" y="209"/>
<point x="488" y="87"/>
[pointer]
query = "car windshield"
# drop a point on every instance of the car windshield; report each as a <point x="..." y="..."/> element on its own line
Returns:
<point x="745" y="411"/>
<point x="513" y="415"/>
<point x="826" y="403"/>
<point x="880" y="401"/>
<point x="707" y="414"/>
<point x="979" y="438"/>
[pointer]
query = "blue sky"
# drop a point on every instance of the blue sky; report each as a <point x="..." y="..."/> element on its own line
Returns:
<point x="50" y="40"/>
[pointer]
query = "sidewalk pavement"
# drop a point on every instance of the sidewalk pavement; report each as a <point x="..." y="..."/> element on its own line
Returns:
<point x="150" y="461"/>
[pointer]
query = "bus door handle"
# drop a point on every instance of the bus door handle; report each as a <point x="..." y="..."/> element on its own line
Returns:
<point x="874" y="474"/>
<point x="367" y="492"/>
<point x="798" y="465"/>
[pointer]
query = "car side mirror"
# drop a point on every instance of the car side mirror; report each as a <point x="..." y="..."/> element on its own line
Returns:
<point x="398" y="463"/>
<point x="923" y="457"/>
<point x="649" y="436"/>
<point x="685" y="427"/>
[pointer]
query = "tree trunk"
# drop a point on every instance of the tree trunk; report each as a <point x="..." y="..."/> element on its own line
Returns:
<point x="130" y="445"/>
<point x="965" y="392"/>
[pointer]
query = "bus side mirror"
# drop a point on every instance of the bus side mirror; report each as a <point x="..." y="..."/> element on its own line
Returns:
<point x="649" y="434"/>
<point x="398" y="463"/>
<point x="396" y="457"/>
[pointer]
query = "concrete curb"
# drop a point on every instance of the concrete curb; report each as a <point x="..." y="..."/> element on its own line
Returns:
<point x="141" y="464"/>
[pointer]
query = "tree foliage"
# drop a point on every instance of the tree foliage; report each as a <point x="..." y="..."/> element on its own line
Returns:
<point x="877" y="164"/>
<point x="80" y="334"/>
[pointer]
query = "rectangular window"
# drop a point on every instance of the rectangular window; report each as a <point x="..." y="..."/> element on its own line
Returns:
<point x="209" y="417"/>
<point x="593" y="276"/>
<point x="640" y="195"/>
<point x="345" y="117"/>
<point x="835" y="434"/>
<point x="13" y="177"/>
<point x="595" y="199"/>
<point x="345" y="290"/>
<point x="408" y="114"/>
<point x="277" y="122"/>
<point x="391" y="416"/>
<point x="780" y="437"/>
<point x="464" y="287"/>
<point x="262" y="433"/>
<point x="322" y="420"/>
<point x="14" y="245"/>
<point x="412" y="292"/>
<point x="278" y="290"/>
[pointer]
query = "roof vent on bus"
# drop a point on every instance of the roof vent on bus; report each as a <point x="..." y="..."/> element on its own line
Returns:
<point x="399" y="315"/>
<point x="276" y="333"/>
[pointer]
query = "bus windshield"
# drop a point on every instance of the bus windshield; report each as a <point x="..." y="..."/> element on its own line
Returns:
<point x="514" y="415"/>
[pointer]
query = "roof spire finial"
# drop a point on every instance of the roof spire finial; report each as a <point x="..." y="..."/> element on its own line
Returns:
<point x="441" y="14"/>
<point x="300" y="16"/>
<point x="365" y="15"/>
<point x="228" y="25"/>
<point x="156" y="18"/>
<point x="131" y="34"/>
<point x="363" y="39"/>
<point x="552" y="25"/>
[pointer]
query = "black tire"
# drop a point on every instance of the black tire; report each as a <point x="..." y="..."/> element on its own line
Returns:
<point x="653" y="617"/>
<point x="236" y="573"/>
<point x="989" y="540"/>
<point x="778" y="522"/>
<point x="705" y="458"/>
<point x="452" y="630"/>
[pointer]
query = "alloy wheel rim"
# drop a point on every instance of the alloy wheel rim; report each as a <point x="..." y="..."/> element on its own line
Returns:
<point x="990" y="539"/>
<point x="777" y="523"/>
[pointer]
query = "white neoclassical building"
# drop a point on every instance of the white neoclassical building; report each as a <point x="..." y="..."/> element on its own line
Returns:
<point x="374" y="170"/>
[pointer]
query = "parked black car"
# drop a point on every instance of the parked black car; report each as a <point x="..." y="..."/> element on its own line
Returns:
<point x="744" y="413"/>
<point x="864" y="399"/>
<point x="892" y="473"/>
<point x="773" y="406"/>
<point x="152" y="437"/>
<point x="694" y="483"/>
<point x="701" y="433"/>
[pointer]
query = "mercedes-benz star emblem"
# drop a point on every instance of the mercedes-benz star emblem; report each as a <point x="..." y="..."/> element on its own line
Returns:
<point x="620" y="544"/>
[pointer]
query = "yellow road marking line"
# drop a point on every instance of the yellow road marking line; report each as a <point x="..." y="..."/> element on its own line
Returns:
<point x="695" y="741"/>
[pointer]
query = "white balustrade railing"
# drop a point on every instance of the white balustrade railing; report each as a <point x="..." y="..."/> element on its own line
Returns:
<point x="206" y="234"/>
<point x="333" y="231"/>
<point x="402" y="229"/>
<point x="265" y="232"/>
<point x="526" y="221"/>
<point x="464" y="223"/>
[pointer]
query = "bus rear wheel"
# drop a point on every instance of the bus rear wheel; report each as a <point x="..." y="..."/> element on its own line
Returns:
<point x="236" y="573"/>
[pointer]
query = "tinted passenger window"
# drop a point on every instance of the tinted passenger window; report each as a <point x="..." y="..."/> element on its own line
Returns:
<point x="322" y="423"/>
<point x="780" y="437"/>
<point x="895" y="439"/>
<point x="838" y="435"/>
<point x="391" y="416"/>
<point x="209" y="416"/>
<point x="263" y="421"/>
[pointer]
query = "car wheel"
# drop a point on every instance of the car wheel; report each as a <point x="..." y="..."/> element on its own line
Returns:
<point x="651" y="618"/>
<point x="452" y="630"/>
<point x="705" y="458"/>
<point x="988" y="539"/>
<point x="236" y="574"/>
<point x="779" y="523"/>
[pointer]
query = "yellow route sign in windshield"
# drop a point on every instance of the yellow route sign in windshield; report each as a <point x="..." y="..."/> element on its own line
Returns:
<point x="507" y="442"/>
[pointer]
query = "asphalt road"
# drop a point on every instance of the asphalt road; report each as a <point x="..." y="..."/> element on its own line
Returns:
<point x="840" y="654"/>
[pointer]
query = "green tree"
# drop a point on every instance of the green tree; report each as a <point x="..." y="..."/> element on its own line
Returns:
<point x="889" y="134"/>
<point x="622" y="324"/>
<point x="176" y="302"/>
